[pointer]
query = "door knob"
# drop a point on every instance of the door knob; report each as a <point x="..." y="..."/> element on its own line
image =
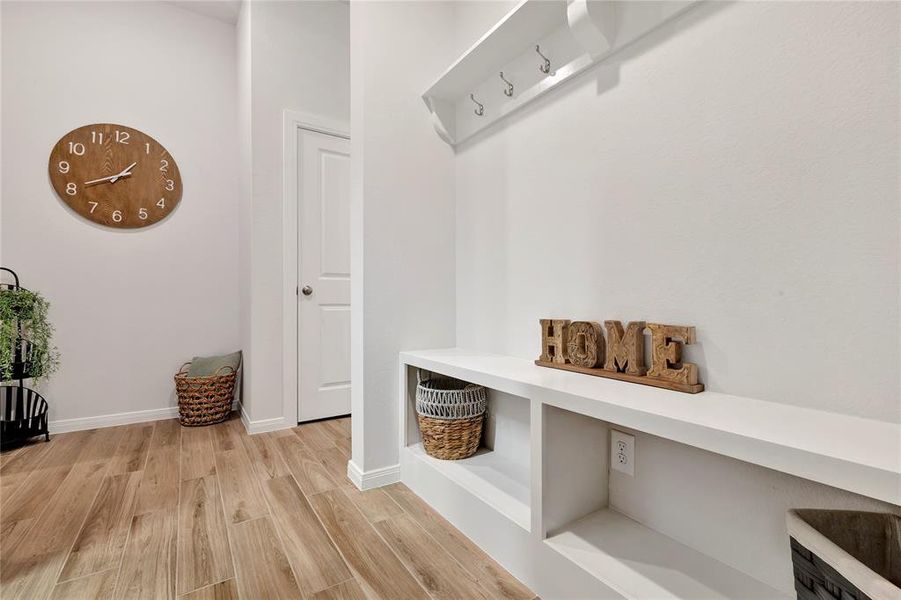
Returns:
<point x="307" y="290"/>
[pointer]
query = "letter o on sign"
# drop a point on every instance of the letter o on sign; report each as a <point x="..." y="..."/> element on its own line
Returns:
<point x="583" y="347"/>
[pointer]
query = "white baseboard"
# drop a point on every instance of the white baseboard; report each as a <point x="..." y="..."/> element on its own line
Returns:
<point x="126" y="418"/>
<point x="157" y="414"/>
<point x="264" y="425"/>
<point x="374" y="478"/>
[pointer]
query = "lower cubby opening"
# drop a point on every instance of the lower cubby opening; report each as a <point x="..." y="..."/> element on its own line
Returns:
<point x="499" y="473"/>
<point x="581" y="522"/>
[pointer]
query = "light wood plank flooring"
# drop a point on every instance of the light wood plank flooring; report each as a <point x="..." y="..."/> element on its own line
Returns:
<point x="157" y="511"/>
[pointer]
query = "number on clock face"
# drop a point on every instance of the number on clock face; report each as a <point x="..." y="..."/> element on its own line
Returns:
<point x="115" y="175"/>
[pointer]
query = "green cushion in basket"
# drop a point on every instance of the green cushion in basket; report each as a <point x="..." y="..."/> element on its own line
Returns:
<point x="203" y="366"/>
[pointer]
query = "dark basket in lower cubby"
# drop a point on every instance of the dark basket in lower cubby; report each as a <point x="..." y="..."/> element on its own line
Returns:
<point x="23" y="415"/>
<point x="845" y="555"/>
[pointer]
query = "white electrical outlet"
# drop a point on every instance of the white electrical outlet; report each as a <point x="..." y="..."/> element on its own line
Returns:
<point x="622" y="452"/>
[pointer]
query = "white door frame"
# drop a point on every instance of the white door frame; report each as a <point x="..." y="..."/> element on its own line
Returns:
<point x="295" y="122"/>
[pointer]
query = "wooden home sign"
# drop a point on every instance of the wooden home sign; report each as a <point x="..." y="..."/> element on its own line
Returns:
<point x="580" y="346"/>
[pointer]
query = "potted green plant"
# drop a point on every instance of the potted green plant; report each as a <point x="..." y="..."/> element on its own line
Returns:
<point x="26" y="336"/>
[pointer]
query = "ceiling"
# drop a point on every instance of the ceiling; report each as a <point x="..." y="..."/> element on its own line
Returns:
<point x="223" y="10"/>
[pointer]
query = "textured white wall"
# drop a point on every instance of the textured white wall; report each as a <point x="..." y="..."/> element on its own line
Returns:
<point x="129" y="306"/>
<point x="299" y="60"/>
<point x="402" y="210"/>
<point x="738" y="171"/>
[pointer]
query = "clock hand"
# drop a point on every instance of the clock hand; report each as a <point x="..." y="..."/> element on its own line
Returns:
<point x="125" y="172"/>
<point x="112" y="178"/>
<point x="99" y="180"/>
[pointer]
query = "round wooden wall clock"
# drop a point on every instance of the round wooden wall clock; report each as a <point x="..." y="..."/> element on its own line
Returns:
<point x="115" y="175"/>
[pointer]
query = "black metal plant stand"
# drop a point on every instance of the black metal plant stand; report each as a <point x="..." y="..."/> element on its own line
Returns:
<point x="23" y="411"/>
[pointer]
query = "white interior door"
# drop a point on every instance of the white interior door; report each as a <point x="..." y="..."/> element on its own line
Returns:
<point x="323" y="275"/>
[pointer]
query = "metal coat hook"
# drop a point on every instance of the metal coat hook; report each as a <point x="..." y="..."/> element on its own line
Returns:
<point x="480" y="108"/>
<point x="546" y="66"/>
<point x="508" y="91"/>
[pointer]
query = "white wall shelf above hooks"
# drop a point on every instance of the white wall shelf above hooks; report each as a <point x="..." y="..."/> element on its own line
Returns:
<point x="572" y="35"/>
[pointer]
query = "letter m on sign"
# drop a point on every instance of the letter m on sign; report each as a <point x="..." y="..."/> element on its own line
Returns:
<point x="625" y="349"/>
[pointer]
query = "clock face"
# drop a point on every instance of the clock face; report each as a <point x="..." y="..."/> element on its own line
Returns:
<point x="115" y="175"/>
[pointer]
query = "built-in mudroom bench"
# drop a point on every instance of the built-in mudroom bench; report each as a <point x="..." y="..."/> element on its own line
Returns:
<point x="542" y="499"/>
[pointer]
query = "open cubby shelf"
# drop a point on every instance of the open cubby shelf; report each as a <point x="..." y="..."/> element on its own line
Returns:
<point x="499" y="472"/>
<point x="639" y="562"/>
<point x="496" y="480"/>
<point x="546" y="473"/>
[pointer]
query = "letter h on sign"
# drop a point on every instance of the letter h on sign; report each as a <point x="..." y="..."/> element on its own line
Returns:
<point x="553" y="340"/>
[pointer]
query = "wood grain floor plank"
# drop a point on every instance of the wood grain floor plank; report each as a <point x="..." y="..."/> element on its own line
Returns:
<point x="280" y="433"/>
<point x="11" y="534"/>
<point x="314" y="436"/>
<point x="197" y="458"/>
<point x="159" y="485"/>
<point x="227" y="435"/>
<point x="224" y="590"/>
<point x="316" y="562"/>
<point x="203" y="553"/>
<point x="344" y="446"/>
<point x="101" y="541"/>
<point x="42" y="481"/>
<point x="30" y="497"/>
<point x="379" y="571"/>
<point x="339" y="434"/>
<point x="437" y="571"/>
<point x="331" y="429"/>
<point x="99" y="586"/>
<point x="148" y="564"/>
<point x="100" y="444"/>
<point x="17" y="468"/>
<point x="7" y="454"/>
<point x="336" y="429"/>
<point x="347" y="590"/>
<point x="267" y="460"/>
<point x="131" y="454"/>
<point x="375" y="504"/>
<point x="345" y="424"/>
<point x="61" y="451"/>
<point x="335" y="463"/>
<point x="30" y="570"/>
<point x="312" y="476"/>
<point x="241" y="493"/>
<point x="263" y="570"/>
<point x="490" y="575"/>
<point x="167" y="433"/>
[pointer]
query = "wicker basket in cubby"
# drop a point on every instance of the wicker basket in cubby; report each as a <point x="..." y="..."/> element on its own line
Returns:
<point x="450" y="415"/>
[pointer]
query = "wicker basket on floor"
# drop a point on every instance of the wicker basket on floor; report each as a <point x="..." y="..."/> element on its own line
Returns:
<point x="204" y="400"/>
<point x="450" y="415"/>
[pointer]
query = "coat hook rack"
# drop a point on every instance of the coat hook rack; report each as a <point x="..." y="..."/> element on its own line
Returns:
<point x="508" y="91"/>
<point x="480" y="108"/>
<point x="546" y="66"/>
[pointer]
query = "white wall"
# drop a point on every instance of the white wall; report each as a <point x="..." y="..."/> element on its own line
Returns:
<point x="402" y="211"/>
<point x="244" y="95"/>
<point x="738" y="171"/>
<point x="299" y="60"/>
<point x="129" y="306"/>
